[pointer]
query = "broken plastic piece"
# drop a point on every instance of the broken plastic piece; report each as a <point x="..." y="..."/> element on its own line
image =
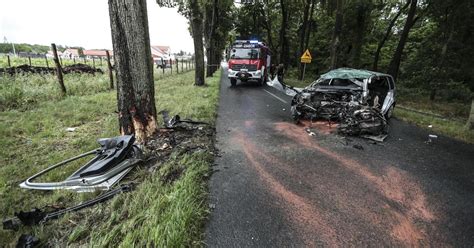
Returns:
<point x="112" y="162"/>
<point x="27" y="241"/>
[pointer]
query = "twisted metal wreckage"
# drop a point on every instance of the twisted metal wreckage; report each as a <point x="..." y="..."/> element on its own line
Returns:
<point x="361" y="101"/>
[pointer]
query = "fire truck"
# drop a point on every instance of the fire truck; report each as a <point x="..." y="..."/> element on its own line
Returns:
<point x="249" y="60"/>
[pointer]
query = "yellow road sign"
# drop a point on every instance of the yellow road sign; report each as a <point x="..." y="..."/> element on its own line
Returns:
<point x="306" y="57"/>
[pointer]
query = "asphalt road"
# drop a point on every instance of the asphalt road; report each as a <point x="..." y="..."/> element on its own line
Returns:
<point x="274" y="185"/>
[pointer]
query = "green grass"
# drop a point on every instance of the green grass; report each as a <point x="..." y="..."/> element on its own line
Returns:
<point x="155" y="214"/>
<point x="452" y="128"/>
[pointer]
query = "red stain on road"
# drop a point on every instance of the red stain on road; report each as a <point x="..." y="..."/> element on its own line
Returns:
<point x="396" y="185"/>
<point x="301" y="212"/>
<point x="323" y="127"/>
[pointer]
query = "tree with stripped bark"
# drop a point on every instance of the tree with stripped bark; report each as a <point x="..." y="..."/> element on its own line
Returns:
<point x="134" y="68"/>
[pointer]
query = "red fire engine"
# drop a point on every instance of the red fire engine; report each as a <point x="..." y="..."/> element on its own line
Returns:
<point x="249" y="60"/>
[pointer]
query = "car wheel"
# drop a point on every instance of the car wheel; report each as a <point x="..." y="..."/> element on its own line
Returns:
<point x="233" y="81"/>
<point x="389" y="113"/>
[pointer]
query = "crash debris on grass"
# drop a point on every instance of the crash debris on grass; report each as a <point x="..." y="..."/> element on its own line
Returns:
<point x="360" y="101"/>
<point x="111" y="163"/>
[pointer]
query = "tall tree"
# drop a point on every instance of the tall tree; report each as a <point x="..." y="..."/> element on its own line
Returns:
<point x="284" y="46"/>
<point x="196" y="23"/>
<point x="211" y="9"/>
<point x="394" y="66"/>
<point x="134" y="68"/>
<point x="303" y="31"/>
<point x="193" y="11"/>
<point x="335" y="43"/>
<point x="387" y="35"/>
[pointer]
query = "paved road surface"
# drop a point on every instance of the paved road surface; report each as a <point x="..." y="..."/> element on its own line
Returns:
<point x="277" y="186"/>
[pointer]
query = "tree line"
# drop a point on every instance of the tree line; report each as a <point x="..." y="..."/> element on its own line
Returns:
<point x="426" y="44"/>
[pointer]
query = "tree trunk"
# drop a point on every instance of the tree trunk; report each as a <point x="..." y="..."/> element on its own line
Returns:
<point x="308" y="33"/>
<point x="335" y="36"/>
<point x="210" y="24"/>
<point x="439" y="67"/>
<point x="285" y="49"/>
<point x="196" y="21"/>
<point x="470" y="121"/>
<point x="361" y="22"/>
<point x="303" y="34"/>
<point x="134" y="68"/>
<point x="387" y="34"/>
<point x="397" y="56"/>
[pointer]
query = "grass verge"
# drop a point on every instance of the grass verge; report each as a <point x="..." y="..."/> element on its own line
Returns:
<point x="452" y="128"/>
<point x="156" y="213"/>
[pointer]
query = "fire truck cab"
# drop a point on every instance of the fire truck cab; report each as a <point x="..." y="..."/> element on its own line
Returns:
<point x="249" y="60"/>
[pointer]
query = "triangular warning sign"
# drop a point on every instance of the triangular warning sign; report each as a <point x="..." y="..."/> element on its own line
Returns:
<point x="306" y="55"/>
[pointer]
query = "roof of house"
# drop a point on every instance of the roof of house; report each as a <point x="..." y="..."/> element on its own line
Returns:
<point x="160" y="51"/>
<point x="96" y="52"/>
<point x="72" y="51"/>
<point x="51" y="52"/>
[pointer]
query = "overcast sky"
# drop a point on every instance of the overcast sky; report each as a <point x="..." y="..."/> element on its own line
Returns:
<point x="83" y="23"/>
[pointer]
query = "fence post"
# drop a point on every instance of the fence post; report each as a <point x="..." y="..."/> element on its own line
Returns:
<point x="109" y="65"/>
<point x="163" y="65"/>
<point x="171" y="66"/>
<point x="100" y="59"/>
<point x="59" y="70"/>
<point x="8" y="60"/>
<point x="61" y="60"/>
<point x="29" y="60"/>
<point x="177" y="66"/>
<point x="93" y="62"/>
<point x="85" y="60"/>
<point x="74" y="60"/>
<point x="46" y="59"/>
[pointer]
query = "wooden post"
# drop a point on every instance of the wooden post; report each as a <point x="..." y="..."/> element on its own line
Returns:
<point x="46" y="59"/>
<point x="100" y="59"/>
<point x="59" y="70"/>
<point x="93" y="62"/>
<point x="163" y="65"/>
<point x="177" y="66"/>
<point x="29" y="60"/>
<point x="109" y="65"/>
<point x="60" y="59"/>
<point x="74" y="60"/>
<point x="85" y="60"/>
<point x="8" y="60"/>
<point x="171" y="66"/>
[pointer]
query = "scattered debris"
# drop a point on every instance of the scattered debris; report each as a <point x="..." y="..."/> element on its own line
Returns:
<point x="27" y="241"/>
<point x="113" y="160"/>
<point x="358" y="147"/>
<point x="71" y="129"/>
<point x="36" y="216"/>
<point x="173" y="122"/>
<point x="430" y="126"/>
<point x="432" y="137"/>
<point x="377" y="138"/>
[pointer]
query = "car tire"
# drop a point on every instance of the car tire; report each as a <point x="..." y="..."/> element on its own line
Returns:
<point x="233" y="81"/>
<point x="389" y="113"/>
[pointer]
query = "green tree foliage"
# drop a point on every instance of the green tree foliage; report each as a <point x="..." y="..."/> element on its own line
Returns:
<point x="436" y="59"/>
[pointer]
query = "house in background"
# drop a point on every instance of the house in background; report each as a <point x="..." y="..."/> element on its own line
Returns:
<point x="50" y="54"/>
<point x="70" y="53"/>
<point x="96" y="53"/>
<point x="162" y="55"/>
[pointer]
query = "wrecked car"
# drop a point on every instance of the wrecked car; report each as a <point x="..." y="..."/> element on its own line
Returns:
<point x="360" y="100"/>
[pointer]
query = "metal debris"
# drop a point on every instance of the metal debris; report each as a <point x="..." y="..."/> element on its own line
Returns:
<point x="116" y="157"/>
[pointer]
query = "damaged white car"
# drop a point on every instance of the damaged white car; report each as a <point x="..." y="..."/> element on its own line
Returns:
<point x="360" y="100"/>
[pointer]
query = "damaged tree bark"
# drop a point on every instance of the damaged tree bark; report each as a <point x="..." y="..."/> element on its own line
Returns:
<point x="134" y="68"/>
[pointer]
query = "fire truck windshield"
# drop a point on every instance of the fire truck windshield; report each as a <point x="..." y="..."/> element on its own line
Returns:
<point x="244" y="53"/>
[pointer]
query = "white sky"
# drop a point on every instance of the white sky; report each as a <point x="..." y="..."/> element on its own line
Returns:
<point x="84" y="23"/>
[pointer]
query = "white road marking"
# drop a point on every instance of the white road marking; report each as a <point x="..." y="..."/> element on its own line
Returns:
<point x="281" y="100"/>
